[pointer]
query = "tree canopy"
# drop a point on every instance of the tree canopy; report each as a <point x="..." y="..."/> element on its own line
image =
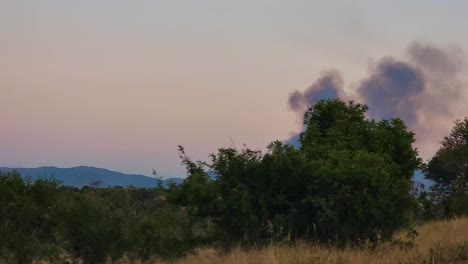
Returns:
<point x="449" y="169"/>
<point x="350" y="180"/>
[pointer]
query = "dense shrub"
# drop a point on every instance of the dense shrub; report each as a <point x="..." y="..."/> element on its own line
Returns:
<point x="29" y="219"/>
<point x="41" y="220"/>
<point x="349" y="181"/>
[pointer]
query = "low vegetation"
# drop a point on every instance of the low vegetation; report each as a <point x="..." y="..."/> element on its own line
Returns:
<point x="346" y="194"/>
<point x="440" y="242"/>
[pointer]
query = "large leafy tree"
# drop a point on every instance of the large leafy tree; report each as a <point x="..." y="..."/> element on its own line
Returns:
<point x="350" y="180"/>
<point x="449" y="169"/>
<point x="360" y="171"/>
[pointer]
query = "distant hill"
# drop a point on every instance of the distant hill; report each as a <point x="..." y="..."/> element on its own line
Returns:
<point x="87" y="176"/>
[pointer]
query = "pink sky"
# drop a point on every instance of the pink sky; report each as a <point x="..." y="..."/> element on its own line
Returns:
<point x="119" y="84"/>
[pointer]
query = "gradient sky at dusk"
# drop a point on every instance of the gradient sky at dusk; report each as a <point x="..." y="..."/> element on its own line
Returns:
<point x="119" y="84"/>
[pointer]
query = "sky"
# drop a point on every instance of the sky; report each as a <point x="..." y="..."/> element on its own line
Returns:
<point x="120" y="84"/>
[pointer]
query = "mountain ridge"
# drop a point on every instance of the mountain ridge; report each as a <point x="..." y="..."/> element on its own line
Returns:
<point x="81" y="176"/>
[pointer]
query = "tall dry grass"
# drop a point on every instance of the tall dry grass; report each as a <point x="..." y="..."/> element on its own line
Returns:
<point x="438" y="242"/>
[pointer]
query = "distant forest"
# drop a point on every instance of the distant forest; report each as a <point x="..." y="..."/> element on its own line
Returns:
<point x="349" y="182"/>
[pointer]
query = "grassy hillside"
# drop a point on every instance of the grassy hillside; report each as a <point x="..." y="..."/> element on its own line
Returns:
<point x="438" y="242"/>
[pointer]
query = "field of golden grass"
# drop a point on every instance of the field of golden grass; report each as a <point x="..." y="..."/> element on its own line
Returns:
<point x="437" y="242"/>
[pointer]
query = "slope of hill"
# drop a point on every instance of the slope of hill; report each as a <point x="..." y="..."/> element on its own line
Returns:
<point x="83" y="175"/>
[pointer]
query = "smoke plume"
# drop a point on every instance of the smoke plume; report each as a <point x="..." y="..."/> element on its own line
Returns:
<point x="329" y="85"/>
<point x="393" y="86"/>
<point x="426" y="89"/>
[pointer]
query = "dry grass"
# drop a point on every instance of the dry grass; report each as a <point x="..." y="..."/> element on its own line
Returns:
<point x="438" y="242"/>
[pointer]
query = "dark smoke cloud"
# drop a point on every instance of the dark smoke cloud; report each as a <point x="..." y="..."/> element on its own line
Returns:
<point x="329" y="85"/>
<point x="426" y="90"/>
<point x="392" y="90"/>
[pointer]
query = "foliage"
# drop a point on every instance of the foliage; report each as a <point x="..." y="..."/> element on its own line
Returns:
<point x="29" y="219"/>
<point x="41" y="220"/>
<point x="361" y="171"/>
<point x="449" y="169"/>
<point x="349" y="181"/>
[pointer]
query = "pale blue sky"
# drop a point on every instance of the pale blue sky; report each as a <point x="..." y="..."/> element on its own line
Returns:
<point x="119" y="84"/>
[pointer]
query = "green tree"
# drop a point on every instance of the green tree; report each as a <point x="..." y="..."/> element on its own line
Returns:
<point x="238" y="177"/>
<point x="360" y="170"/>
<point x="350" y="180"/>
<point x="449" y="169"/>
<point x="29" y="225"/>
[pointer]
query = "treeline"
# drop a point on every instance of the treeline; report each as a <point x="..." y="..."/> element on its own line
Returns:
<point x="349" y="183"/>
<point x="43" y="220"/>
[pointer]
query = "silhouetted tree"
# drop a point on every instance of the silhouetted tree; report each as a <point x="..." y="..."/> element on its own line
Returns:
<point x="449" y="169"/>
<point x="350" y="180"/>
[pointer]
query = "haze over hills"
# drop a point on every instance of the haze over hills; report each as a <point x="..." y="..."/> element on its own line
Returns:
<point x="85" y="176"/>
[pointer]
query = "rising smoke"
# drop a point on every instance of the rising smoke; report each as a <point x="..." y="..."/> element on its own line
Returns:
<point x="329" y="85"/>
<point x="426" y="90"/>
<point x="392" y="90"/>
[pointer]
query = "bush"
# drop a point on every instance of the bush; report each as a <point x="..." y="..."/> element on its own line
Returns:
<point x="349" y="181"/>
